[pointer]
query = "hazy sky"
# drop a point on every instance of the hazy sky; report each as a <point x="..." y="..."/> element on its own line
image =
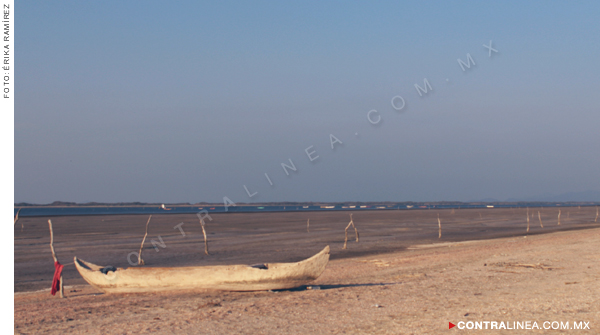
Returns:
<point x="190" y="101"/>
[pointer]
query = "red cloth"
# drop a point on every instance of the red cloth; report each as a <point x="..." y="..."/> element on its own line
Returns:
<point x="56" y="280"/>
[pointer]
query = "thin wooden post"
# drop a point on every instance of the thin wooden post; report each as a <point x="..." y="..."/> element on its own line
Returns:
<point x="140" y="259"/>
<point x="17" y="216"/>
<point x="307" y="226"/>
<point x="540" y="217"/>
<point x="353" y="226"/>
<point x="346" y="231"/>
<point x="17" y="219"/>
<point x="61" y="290"/>
<point x="558" y="218"/>
<point x="440" y="226"/>
<point x="596" y="220"/>
<point x="205" y="239"/>
<point x="528" y="219"/>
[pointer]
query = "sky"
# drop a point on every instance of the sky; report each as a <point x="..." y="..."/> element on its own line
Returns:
<point x="196" y="101"/>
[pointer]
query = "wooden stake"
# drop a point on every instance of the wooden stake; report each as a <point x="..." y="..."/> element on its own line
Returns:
<point x="528" y="219"/>
<point x="346" y="232"/>
<point x="61" y="290"/>
<point x="205" y="240"/>
<point x="17" y="216"/>
<point x="540" y="217"/>
<point x="140" y="259"/>
<point x="558" y="217"/>
<point x="355" y="230"/>
<point x="596" y="220"/>
<point x="17" y="219"/>
<point x="440" y="226"/>
<point x="307" y="226"/>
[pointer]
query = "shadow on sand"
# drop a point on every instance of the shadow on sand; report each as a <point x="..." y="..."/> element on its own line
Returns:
<point x="329" y="287"/>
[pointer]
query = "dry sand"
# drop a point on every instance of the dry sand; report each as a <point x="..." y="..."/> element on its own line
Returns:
<point x="393" y="281"/>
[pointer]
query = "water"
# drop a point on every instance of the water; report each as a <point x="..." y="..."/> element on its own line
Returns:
<point x="109" y="210"/>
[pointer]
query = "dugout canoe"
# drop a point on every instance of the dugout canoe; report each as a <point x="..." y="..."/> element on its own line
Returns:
<point x="271" y="276"/>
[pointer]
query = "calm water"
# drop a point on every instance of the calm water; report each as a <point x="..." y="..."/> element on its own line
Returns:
<point x="104" y="210"/>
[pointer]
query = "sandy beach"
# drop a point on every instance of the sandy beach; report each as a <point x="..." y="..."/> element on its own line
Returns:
<point x="399" y="278"/>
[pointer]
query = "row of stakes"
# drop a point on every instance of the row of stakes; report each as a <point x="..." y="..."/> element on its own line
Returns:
<point x="202" y="223"/>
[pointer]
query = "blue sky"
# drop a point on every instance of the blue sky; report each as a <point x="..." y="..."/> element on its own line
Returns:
<point x="187" y="102"/>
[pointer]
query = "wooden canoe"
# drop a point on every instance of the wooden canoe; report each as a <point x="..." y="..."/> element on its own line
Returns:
<point x="272" y="276"/>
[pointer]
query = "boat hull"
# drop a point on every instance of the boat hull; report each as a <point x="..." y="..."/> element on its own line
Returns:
<point x="276" y="276"/>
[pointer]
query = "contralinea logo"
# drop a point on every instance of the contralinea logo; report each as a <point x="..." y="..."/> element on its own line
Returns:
<point x="520" y="325"/>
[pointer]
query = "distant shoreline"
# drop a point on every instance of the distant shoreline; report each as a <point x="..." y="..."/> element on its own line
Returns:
<point x="445" y="204"/>
<point x="54" y="209"/>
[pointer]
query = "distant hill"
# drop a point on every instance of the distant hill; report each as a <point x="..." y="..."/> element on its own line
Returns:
<point x="75" y="204"/>
<point x="593" y="196"/>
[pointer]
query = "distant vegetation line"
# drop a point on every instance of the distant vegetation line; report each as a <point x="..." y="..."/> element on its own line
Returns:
<point x="318" y="203"/>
